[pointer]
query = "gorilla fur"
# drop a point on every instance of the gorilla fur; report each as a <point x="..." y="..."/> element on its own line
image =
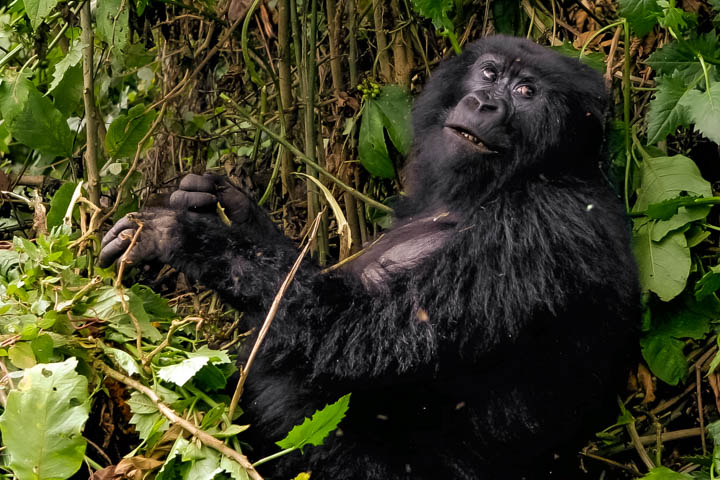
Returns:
<point x="486" y="327"/>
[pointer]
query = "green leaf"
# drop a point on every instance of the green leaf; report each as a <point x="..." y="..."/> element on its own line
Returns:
<point x="112" y="23"/>
<point x="714" y="431"/>
<point x="435" y="10"/>
<point x="42" y="347"/>
<point x="681" y="57"/>
<point x="663" y="266"/>
<point x="372" y="151"/>
<point x="43" y="421"/>
<point x="665" y="357"/>
<point x="395" y="104"/>
<point x="641" y="14"/>
<point x="704" y="110"/>
<point x="667" y="178"/>
<point x="314" y="430"/>
<point x="38" y="10"/>
<point x="33" y="119"/>
<point x="390" y="112"/>
<point x="664" y="473"/>
<point x="126" y="132"/>
<point x="124" y="359"/>
<point x="21" y="355"/>
<point x="181" y="372"/>
<point x="667" y="112"/>
<point x="709" y="283"/>
<point x="59" y="204"/>
<point x="666" y="209"/>
<point x="72" y="58"/>
<point x="155" y="305"/>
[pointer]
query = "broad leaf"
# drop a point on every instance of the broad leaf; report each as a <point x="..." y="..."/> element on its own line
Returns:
<point x="72" y="58"/>
<point x="372" y="151"/>
<point x="681" y="57"/>
<point x="126" y="132"/>
<point x="666" y="209"/>
<point x="641" y="14"/>
<point x="314" y="430"/>
<point x="33" y="119"/>
<point x="667" y="178"/>
<point x="181" y="372"/>
<point x="43" y="421"/>
<point x="395" y="103"/>
<point x="38" y="10"/>
<point x="665" y="357"/>
<point x="390" y="112"/>
<point x="667" y="112"/>
<point x="59" y="204"/>
<point x="704" y="111"/>
<point x="663" y="266"/>
<point x="112" y="23"/>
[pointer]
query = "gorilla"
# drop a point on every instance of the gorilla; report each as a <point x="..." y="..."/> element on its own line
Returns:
<point x="485" y="328"/>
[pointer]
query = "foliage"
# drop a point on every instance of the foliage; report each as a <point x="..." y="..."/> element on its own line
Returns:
<point x="48" y="307"/>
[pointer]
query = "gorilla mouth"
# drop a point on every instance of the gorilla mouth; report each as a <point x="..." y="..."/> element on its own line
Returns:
<point x="471" y="138"/>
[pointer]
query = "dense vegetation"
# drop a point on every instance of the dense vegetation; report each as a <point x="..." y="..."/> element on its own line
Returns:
<point x="105" y="106"/>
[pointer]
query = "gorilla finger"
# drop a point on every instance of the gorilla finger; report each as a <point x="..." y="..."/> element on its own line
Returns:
<point x="181" y="199"/>
<point x="199" y="183"/>
<point x="125" y="223"/>
<point x="115" y="248"/>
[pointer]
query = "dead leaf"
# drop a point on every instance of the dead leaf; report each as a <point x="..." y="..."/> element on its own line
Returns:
<point x="714" y="381"/>
<point x="646" y="382"/>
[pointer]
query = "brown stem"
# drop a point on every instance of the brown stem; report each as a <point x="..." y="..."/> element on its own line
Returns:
<point x="91" y="120"/>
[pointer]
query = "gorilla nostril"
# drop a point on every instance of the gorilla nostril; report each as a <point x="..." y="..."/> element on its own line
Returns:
<point x="488" y="107"/>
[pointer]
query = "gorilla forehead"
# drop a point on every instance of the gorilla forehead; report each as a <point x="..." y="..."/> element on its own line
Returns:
<point x="522" y="56"/>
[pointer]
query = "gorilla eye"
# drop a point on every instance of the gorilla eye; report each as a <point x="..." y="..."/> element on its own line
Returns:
<point x="526" y="91"/>
<point x="489" y="74"/>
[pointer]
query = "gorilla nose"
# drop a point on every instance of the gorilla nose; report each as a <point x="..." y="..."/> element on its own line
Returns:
<point x="483" y="103"/>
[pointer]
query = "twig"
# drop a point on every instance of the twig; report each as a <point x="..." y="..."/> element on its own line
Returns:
<point x="170" y="414"/>
<point x="701" y="415"/>
<point x="639" y="446"/>
<point x="119" y="288"/>
<point x="619" y="465"/>
<point x="173" y="327"/>
<point x="270" y="316"/>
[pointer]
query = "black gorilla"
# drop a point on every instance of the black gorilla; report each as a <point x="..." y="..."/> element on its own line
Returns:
<point x="484" y="328"/>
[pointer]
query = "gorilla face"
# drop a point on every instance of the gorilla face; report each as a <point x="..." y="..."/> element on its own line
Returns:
<point x="508" y="106"/>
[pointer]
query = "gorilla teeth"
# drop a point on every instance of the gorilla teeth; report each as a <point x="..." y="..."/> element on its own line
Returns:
<point x="472" y="138"/>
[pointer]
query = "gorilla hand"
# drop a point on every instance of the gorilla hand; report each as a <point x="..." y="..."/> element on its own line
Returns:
<point x="201" y="193"/>
<point x="155" y="242"/>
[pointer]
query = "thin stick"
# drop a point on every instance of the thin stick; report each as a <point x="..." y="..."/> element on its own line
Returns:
<point x="270" y="316"/>
<point x="170" y="414"/>
<point x="619" y="465"/>
<point x="639" y="446"/>
<point x="119" y="288"/>
<point x="698" y="379"/>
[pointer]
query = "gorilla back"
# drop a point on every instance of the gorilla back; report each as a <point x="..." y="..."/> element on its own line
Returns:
<point x="485" y="328"/>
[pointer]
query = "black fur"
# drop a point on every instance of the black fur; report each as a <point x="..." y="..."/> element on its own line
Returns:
<point x="488" y="325"/>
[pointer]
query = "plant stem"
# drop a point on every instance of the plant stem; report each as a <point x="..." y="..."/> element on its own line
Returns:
<point x="91" y="154"/>
<point x="274" y="456"/>
<point x="626" y="112"/>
